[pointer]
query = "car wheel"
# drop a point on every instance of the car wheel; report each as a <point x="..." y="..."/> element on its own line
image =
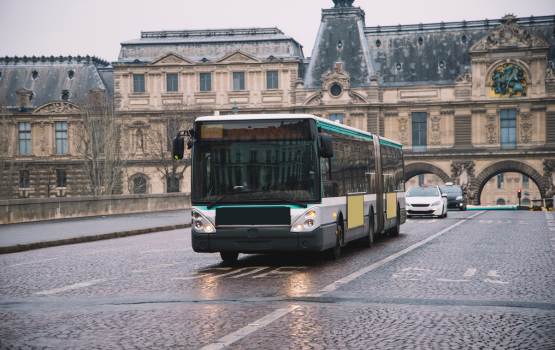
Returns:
<point x="442" y="215"/>
<point x="445" y="215"/>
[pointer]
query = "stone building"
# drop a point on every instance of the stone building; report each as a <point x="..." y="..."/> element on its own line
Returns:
<point x="37" y="105"/>
<point x="468" y="100"/>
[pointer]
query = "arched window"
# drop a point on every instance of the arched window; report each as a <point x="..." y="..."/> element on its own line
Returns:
<point x="140" y="141"/>
<point x="500" y="201"/>
<point x="139" y="185"/>
<point x="172" y="185"/>
<point x="526" y="202"/>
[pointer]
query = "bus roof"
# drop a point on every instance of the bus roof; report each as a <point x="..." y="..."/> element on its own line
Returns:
<point x="292" y="116"/>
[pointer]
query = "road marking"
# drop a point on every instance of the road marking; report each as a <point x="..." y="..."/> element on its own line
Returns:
<point x="494" y="281"/>
<point x="331" y="287"/>
<point x="256" y="269"/>
<point x="521" y="222"/>
<point x="469" y="272"/>
<point x="278" y="272"/>
<point x="31" y="262"/>
<point x="485" y="221"/>
<point x="73" y="286"/>
<point x="493" y="273"/>
<point x="504" y="221"/>
<point x="167" y="250"/>
<point x="99" y="251"/>
<point x="157" y="267"/>
<point x="250" y="328"/>
<point x="448" y="280"/>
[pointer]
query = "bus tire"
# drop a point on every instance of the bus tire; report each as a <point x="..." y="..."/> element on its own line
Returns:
<point x="394" y="232"/>
<point x="229" y="256"/>
<point x="368" y="241"/>
<point x="335" y="252"/>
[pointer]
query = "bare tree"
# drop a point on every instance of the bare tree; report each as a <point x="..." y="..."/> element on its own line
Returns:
<point x="177" y="117"/>
<point x="8" y="167"/>
<point x="97" y="135"/>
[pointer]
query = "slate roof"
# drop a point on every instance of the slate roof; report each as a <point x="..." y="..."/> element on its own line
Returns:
<point x="211" y="44"/>
<point x="51" y="79"/>
<point x="441" y="42"/>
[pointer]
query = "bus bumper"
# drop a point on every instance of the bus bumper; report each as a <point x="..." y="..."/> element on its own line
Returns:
<point x="260" y="240"/>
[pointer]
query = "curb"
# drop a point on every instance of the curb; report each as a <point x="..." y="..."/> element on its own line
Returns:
<point x="45" y="244"/>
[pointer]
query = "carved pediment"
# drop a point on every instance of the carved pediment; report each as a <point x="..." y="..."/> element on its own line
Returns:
<point x="58" y="107"/>
<point x="238" y="56"/>
<point x="171" y="58"/>
<point x="509" y="34"/>
<point x="314" y="99"/>
<point x="356" y="97"/>
<point x="337" y="76"/>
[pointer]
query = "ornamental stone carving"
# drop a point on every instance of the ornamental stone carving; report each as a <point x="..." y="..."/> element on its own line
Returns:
<point x="338" y="76"/>
<point x="315" y="99"/>
<point x="508" y="80"/>
<point x="525" y="128"/>
<point x="466" y="77"/>
<point x="508" y="34"/>
<point x="403" y="133"/>
<point x="356" y="98"/>
<point x="491" y="128"/>
<point x="58" y="108"/>
<point x="549" y="172"/>
<point x="436" y="133"/>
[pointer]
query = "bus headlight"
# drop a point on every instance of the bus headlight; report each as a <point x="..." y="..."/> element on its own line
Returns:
<point x="198" y="224"/>
<point x="299" y="227"/>
<point x="208" y="228"/>
<point x="312" y="213"/>
<point x="201" y="224"/>
<point x="310" y="223"/>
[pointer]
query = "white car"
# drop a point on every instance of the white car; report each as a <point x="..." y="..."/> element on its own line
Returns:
<point x="426" y="200"/>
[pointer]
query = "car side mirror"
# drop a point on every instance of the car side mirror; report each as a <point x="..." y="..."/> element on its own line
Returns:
<point x="326" y="146"/>
<point x="444" y="195"/>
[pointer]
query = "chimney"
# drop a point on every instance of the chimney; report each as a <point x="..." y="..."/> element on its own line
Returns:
<point x="24" y="97"/>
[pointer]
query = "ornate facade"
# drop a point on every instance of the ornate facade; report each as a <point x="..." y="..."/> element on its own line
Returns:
<point x="468" y="100"/>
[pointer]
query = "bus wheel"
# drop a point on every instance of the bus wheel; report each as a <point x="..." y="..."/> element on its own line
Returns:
<point x="229" y="256"/>
<point x="333" y="253"/>
<point x="369" y="241"/>
<point x="394" y="232"/>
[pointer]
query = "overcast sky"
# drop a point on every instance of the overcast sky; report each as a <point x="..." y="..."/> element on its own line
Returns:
<point x="81" y="27"/>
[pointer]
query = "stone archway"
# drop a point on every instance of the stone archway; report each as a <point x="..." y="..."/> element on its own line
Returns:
<point x="413" y="169"/>
<point x="507" y="166"/>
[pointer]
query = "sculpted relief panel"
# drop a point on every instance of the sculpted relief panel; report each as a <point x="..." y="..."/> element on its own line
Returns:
<point x="526" y="127"/>
<point x="491" y="128"/>
<point x="508" y="80"/>
<point x="436" y="133"/>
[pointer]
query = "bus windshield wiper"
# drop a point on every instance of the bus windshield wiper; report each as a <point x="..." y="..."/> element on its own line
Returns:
<point x="209" y="206"/>
<point x="282" y="199"/>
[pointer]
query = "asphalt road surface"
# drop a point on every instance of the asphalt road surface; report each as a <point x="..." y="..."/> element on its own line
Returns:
<point x="475" y="280"/>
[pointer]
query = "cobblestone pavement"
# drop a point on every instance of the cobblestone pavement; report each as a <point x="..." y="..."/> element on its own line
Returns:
<point x="31" y="232"/>
<point x="474" y="280"/>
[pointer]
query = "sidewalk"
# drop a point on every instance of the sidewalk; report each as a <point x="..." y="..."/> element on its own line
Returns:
<point x="33" y="235"/>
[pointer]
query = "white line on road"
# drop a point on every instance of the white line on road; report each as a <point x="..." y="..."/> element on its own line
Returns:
<point x="31" y="262"/>
<point x="349" y="278"/>
<point x="157" y="267"/>
<point x="448" y="280"/>
<point x="167" y="250"/>
<point x="258" y="269"/>
<point x="493" y="273"/>
<point x="469" y="272"/>
<point x="494" y="281"/>
<point x="251" y="327"/>
<point x="73" y="286"/>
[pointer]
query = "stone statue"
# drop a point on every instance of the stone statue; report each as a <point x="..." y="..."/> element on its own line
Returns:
<point x="343" y="3"/>
<point x="550" y="167"/>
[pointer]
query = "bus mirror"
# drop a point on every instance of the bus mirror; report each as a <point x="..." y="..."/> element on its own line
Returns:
<point x="178" y="147"/>
<point x="326" y="149"/>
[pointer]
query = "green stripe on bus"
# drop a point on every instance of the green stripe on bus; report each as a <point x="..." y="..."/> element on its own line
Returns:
<point x="333" y="127"/>
<point x="387" y="143"/>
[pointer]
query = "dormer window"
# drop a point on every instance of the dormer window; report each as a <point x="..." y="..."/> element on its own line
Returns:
<point x="65" y="95"/>
<point x="34" y="75"/>
<point x="71" y="74"/>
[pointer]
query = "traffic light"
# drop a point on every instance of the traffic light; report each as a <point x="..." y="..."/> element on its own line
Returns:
<point x="519" y="193"/>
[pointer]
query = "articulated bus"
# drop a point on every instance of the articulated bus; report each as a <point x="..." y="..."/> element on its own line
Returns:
<point x="278" y="183"/>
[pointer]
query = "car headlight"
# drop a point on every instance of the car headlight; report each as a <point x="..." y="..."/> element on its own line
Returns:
<point x="459" y="198"/>
<point x="436" y="203"/>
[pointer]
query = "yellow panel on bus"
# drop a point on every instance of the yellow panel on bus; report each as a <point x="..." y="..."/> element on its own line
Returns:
<point x="355" y="211"/>
<point x="391" y="202"/>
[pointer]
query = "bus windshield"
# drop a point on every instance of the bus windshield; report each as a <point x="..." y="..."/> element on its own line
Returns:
<point x="255" y="161"/>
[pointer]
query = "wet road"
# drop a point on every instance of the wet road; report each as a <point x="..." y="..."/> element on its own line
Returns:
<point x="473" y="280"/>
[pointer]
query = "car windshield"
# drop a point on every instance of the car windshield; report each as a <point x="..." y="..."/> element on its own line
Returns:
<point x="255" y="160"/>
<point x="423" y="192"/>
<point x="450" y="189"/>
